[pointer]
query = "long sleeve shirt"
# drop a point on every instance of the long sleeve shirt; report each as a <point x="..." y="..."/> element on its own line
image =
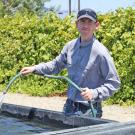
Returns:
<point x="89" y="64"/>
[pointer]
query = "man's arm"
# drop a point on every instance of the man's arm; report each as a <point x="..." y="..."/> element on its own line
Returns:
<point x="111" y="82"/>
<point x="52" y="67"/>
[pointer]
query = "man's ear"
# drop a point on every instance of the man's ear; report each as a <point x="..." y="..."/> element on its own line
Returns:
<point x="97" y="25"/>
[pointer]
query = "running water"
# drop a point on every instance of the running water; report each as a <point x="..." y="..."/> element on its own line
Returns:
<point x="2" y="98"/>
<point x="7" y="88"/>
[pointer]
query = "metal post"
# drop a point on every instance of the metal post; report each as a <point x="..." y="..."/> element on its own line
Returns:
<point x="69" y="7"/>
<point x="78" y="5"/>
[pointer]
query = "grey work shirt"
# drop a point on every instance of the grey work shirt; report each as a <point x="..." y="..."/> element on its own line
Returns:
<point x="89" y="64"/>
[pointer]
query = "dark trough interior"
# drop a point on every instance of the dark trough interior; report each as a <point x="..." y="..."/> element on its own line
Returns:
<point x="67" y="125"/>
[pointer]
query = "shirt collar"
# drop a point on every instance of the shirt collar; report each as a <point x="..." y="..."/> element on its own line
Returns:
<point x="84" y="44"/>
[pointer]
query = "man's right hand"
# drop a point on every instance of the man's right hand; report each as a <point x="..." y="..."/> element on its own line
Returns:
<point x="27" y="70"/>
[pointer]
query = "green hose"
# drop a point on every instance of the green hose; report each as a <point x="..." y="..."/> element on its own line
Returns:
<point x="11" y="81"/>
<point x="76" y="86"/>
<point x="49" y="76"/>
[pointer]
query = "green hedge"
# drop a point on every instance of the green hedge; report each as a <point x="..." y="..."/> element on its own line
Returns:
<point x="27" y="40"/>
<point x="117" y="32"/>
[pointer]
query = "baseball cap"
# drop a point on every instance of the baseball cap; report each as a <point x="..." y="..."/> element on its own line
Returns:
<point x="87" y="13"/>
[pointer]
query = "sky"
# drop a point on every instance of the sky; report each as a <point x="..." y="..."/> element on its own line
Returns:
<point x="101" y="6"/>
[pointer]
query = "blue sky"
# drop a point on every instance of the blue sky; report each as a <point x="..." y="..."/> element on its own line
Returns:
<point x="98" y="5"/>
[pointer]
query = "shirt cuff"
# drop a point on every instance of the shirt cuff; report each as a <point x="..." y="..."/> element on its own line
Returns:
<point x="34" y="69"/>
<point x="94" y="93"/>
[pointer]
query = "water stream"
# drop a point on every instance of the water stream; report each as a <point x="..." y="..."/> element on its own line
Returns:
<point x="1" y="99"/>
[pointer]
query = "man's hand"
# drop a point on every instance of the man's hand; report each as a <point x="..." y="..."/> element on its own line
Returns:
<point x="87" y="94"/>
<point x="27" y="70"/>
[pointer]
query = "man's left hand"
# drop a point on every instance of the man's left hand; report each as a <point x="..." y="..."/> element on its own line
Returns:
<point x="87" y="94"/>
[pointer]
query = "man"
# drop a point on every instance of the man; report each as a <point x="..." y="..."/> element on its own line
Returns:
<point x="89" y="65"/>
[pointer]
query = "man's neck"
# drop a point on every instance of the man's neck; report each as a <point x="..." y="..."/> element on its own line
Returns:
<point x="86" y="38"/>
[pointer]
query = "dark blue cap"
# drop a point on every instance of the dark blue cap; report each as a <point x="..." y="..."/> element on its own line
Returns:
<point x="87" y="13"/>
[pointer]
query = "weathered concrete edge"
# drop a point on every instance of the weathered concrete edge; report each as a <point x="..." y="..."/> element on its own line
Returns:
<point x="126" y="128"/>
<point x="47" y="115"/>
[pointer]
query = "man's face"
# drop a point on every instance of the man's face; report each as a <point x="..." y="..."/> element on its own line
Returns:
<point x="86" y="26"/>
